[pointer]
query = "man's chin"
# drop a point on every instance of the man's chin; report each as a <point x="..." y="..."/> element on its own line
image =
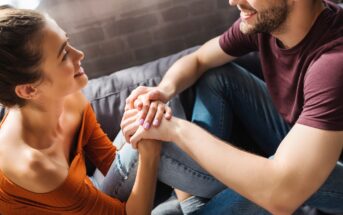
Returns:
<point x="246" y="28"/>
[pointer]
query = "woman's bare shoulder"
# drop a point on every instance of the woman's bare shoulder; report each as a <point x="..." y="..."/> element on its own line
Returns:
<point x="34" y="172"/>
<point x="77" y="102"/>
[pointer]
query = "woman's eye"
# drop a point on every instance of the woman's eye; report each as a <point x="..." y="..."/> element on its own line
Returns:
<point x="65" y="55"/>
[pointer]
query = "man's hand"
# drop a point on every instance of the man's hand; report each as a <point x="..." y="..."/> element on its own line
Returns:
<point x="151" y="112"/>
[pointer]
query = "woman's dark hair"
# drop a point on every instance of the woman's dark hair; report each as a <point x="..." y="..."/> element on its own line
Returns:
<point x="20" y="51"/>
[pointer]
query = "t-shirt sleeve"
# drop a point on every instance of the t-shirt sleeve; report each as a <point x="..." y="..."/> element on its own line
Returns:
<point x="234" y="43"/>
<point x="323" y="92"/>
<point x="98" y="147"/>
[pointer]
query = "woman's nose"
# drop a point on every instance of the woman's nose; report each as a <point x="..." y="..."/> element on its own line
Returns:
<point x="233" y="2"/>
<point x="79" y="54"/>
<point x="82" y="55"/>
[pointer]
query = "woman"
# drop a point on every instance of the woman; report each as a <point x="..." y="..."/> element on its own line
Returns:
<point x="50" y="127"/>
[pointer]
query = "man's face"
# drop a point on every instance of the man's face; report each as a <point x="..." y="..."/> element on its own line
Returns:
<point x="262" y="17"/>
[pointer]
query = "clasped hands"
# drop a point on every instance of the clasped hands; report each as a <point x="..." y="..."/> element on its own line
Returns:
<point x="146" y="116"/>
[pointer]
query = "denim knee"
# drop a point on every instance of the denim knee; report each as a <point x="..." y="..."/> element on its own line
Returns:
<point x="215" y="93"/>
<point x="217" y="78"/>
<point x="120" y="178"/>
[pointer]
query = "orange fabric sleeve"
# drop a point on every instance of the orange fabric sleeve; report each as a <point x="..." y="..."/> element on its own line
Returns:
<point x="98" y="147"/>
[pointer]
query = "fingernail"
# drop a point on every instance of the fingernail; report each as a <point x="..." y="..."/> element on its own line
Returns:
<point x="146" y="125"/>
<point x="141" y="121"/>
<point x="155" y="123"/>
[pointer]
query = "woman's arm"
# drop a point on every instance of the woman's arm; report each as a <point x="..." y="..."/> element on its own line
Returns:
<point x="142" y="194"/>
<point x="141" y="198"/>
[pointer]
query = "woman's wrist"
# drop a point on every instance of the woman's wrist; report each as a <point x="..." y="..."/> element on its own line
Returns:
<point x="151" y="160"/>
<point x="149" y="149"/>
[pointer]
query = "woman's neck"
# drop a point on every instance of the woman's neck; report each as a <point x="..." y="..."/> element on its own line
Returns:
<point x="40" y="124"/>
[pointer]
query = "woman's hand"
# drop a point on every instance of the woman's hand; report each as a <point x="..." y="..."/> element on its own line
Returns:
<point x="153" y="114"/>
<point x="129" y="124"/>
<point x="131" y="119"/>
<point x="144" y="99"/>
<point x="165" y="132"/>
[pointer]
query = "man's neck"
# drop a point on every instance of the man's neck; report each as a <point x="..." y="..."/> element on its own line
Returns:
<point x="302" y="16"/>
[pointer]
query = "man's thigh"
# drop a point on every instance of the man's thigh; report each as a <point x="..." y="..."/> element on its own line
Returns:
<point x="230" y="95"/>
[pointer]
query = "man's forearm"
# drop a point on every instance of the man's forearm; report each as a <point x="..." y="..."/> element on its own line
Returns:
<point x="180" y="76"/>
<point x="188" y="69"/>
<point x="254" y="177"/>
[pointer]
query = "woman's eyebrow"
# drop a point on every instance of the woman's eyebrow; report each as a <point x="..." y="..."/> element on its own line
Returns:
<point x="63" y="46"/>
<point x="61" y="49"/>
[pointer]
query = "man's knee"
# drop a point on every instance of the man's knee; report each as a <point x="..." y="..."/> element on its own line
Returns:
<point x="222" y="75"/>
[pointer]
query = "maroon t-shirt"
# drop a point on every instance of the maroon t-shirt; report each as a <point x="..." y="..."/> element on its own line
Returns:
<point x="306" y="81"/>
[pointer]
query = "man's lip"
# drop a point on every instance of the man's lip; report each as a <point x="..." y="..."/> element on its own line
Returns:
<point x="246" y="11"/>
<point x="247" y="14"/>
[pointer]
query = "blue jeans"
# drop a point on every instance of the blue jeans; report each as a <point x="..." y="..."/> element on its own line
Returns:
<point x="176" y="169"/>
<point x="229" y="94"/>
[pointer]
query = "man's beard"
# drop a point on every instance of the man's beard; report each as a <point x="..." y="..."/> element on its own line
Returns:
<point x="268" y="21"/>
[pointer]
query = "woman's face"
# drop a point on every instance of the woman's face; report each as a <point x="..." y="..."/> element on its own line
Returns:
<point x="61" y="65"/>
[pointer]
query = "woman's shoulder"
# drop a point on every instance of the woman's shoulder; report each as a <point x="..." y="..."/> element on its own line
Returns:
<point x="76" y="102"/>
<point x="33" y="172"/>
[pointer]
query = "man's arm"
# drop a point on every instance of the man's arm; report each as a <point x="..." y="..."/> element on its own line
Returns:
<point x="300" y="166"/>
<point x="188" y="69"/>
<point x="182" y="74"/>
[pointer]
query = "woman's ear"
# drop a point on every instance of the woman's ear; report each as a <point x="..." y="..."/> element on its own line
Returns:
<point x="26" y="91"/>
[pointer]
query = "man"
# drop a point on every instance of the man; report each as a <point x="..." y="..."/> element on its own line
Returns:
<point x="296" y="116"/>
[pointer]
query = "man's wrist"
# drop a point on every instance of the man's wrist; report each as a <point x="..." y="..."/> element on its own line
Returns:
<point x="176" y="130"/>
<point x="167" y="91"/>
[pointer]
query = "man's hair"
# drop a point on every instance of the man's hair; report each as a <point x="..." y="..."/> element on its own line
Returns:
<point x="20" y="51"/>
